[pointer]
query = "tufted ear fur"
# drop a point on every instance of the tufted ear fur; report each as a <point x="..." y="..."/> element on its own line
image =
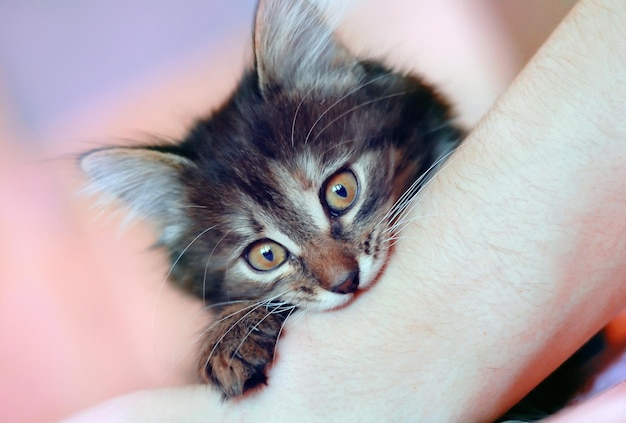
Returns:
<point x="295" y="47"/>
<point x="146" y="180"/>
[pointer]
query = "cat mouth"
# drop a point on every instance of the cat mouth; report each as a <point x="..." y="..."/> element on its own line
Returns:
<point x="328" y="300"/>
<point x="338" y="295"/>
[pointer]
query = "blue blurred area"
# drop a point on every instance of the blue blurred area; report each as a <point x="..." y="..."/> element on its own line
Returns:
<point x="57" y="55"/>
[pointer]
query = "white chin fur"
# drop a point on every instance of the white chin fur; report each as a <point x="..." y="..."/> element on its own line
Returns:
<point x="328" y="300"/>
<point x="370" y="268"/>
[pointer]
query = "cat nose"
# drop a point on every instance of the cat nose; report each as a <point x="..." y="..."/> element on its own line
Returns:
<point x="348" y="285"/>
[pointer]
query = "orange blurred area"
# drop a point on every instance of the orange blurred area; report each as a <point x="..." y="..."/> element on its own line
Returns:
<point x="85" y="313"/>
<point x="616" y="330"/>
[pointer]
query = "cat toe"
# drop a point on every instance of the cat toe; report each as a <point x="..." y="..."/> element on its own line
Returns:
<point x="238" y="350"/>
<point x="234" y="376"/>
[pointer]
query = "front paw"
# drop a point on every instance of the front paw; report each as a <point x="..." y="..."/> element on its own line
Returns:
<point x="239" y="347"/>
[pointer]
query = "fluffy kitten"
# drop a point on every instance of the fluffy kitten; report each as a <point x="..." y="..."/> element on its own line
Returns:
<point x="286" y="196"/>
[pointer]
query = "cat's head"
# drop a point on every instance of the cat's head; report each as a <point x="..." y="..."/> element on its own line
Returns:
<point x="287" y="191"/>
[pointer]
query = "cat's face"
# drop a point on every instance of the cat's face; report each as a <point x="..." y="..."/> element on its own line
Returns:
<point x="308" y="229"/>
<point x="320" y="235"/>
<point x="287" y="192"/>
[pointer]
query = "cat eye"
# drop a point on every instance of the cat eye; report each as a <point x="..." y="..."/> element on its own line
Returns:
<point x="265" y="255"/>
<point x="340" y="192"/>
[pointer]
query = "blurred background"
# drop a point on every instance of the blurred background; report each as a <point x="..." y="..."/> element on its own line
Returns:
<point x="59" y="57"/>
<point x="84" y="312"/>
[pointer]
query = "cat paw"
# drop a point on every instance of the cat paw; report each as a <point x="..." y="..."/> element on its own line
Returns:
<point x="239" y="347"/>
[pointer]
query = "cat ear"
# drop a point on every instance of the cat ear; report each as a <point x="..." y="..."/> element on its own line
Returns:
<point x="295" y="46"/>
<point x="146" y="180"/>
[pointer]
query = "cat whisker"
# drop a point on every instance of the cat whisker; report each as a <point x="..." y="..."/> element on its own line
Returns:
<point x="407" y="198"/>
<point x="223" y="303"/>
<point x="399" y="205"/>
<point x="332" y="106"/>
<point x="395" y="218"/>
<point x="251" y="309"/>
<point x="411" y="204"/>
<point x="254" y="305"/>
<point x="295" y="115"/>
<point x="169" y="272"/>
<point x="337" y="145"/>
<point x="180" y="355"/>
<point x="413" y="189"/>
<point x="198" y="337"/>
<point x="186" y="249"/>
<point x="353" y="109"/>
<point x="280" y="331"/>
<point x="208" y="261"/>
<point x="254" y="328"/>
<point x="282" y="308"/>
<point x="399" y="226"/>
<point x="394" y="240"/>
<point x="442" y="125"/>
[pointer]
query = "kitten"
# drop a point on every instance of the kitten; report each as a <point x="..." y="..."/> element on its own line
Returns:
<point x="288" y="195"/>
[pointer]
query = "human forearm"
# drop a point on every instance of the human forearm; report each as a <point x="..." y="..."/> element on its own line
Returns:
<point x="530" y="234"/>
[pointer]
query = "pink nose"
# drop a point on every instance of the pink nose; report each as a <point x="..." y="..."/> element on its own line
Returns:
<point x="348" y="284"/>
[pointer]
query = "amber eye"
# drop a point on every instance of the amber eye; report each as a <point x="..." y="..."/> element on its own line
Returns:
<point x="266" y="255"/>
<point x="340" y="192"/>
